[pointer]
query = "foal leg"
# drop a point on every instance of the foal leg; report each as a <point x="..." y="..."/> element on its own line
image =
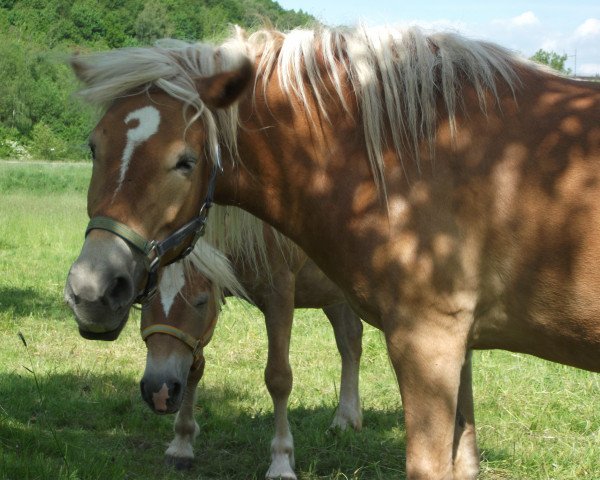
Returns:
<point x="180" y="453"/>
<point x="466" y="454"/>
<point x="279" y="313"/>
<point x="428" y="357"/>
<point x="347" y="327"/>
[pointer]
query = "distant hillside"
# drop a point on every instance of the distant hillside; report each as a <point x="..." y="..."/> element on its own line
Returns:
<point x="38" y="116"/>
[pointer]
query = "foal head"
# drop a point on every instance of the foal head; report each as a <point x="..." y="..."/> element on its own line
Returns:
<point x="152" y="158"/>
<point x="176" y="325"/>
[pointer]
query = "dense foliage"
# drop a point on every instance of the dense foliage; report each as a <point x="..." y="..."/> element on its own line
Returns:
<point x="38" y="115"/>
<point x="553" y="60"/>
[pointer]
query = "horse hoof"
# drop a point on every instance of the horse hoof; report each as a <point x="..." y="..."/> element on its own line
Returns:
<point x="338" y="425"/>
<point x="344" y="419"/>
<point x="282" y="476"/>
<point x="281" y="469"/>
<point x="179" y="463"/>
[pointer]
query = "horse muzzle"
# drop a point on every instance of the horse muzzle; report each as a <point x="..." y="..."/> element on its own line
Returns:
<point x="162" y="396"/>
<point x="101" y="287"/>
<point x="164" y="381"/>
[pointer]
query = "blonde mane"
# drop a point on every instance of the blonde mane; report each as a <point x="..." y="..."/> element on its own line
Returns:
<point x="241" y="237"/>
<point x="396" y="78"/>
<point x="208" y="260"/>
<point x="233" y="236"/>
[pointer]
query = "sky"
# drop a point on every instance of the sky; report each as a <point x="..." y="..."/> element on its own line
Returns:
<point x="569" y="27"/>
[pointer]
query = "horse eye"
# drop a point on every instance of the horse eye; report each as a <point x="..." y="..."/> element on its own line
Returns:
<point x="201" y="300"/>
<point x="185" y="164"/>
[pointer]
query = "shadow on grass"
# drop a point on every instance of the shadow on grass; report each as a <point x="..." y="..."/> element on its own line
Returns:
<point x="24" y="301"/>
<point x="100" y="428"/>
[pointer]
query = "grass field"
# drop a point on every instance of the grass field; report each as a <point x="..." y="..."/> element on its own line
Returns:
<point x="71" y="408"/>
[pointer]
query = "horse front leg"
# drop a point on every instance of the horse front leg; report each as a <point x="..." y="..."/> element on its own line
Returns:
<point x="466" y="454"/>
<point x="279" y="313"/>
<point x="180" y="453"/>
<point x="348" y="328"/>
<point x="428" y="354"/>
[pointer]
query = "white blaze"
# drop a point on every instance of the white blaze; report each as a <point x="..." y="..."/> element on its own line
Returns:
<point x="149" y="119"/>
<point x="171" y="282"/>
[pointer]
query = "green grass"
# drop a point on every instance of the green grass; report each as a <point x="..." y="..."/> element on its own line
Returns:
<point x="84" y="418"/>
<point x="43" y="178"/>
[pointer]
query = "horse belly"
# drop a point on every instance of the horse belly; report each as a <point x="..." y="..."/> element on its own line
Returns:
<point x="314" y="289"/>
<point x="546" y="302"/>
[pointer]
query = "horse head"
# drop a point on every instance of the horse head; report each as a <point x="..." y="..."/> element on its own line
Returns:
<point x="152" y="155"/>
<point x="176" y="326"/>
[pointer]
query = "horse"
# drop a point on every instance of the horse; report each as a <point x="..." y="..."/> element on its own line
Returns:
<point x="179" y="321"/>
<point x="447" y="186"/>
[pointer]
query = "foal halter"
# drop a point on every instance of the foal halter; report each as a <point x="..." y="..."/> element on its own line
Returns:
<point x="196" y="345"/>
<point x="155" y="250"/>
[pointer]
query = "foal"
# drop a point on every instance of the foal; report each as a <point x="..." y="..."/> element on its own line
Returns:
<point x="288" y="280"/>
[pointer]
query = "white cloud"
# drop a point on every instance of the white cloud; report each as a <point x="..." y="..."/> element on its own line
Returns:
<point x="526" y="19"/>
<point x="588" y="69"/>
<point x="433" y="25"/>
<point x="551" y="44"/>
<point x="589" y="28"/>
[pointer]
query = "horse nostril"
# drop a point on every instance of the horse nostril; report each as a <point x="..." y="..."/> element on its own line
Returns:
<point x="118" y="294"/>
<point x="146" y="393"/>
<point x="69" y="295"/>
<point x="175" y="390"/>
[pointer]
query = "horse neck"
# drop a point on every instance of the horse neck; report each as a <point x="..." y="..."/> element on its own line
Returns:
<point x="293" y="167"/>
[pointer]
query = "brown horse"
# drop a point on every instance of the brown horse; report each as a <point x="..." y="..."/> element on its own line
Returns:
<point x="450" y="189"/>
<point x="190" y="306"/>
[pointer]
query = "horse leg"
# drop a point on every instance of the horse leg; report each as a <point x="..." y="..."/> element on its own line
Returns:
<point x="180" y="453"/>
<point x="347" y="327"/>
<point x="466" y="454"/>
<point x="279" y="314"/>
<point x="428" y="358"/>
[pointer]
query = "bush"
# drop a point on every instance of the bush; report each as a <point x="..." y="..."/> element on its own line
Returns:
<point x="11" y="146"/>
<point x="45" y="144"/>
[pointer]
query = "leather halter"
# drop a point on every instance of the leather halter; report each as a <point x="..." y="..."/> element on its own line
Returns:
<point x="196" y="345"/>
<point x="155" y="250"/>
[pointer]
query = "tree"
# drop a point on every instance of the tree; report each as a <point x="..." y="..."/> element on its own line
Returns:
<point x="552" y="59"/>
<point x="152" y="23"/>
<point x="38" y="111"/>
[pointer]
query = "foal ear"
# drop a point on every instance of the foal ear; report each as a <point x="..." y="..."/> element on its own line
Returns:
<point x="222" y="89"/>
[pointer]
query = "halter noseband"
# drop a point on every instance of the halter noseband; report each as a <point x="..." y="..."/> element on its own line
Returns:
<point x="196" y="345"/>
<point x="155" y="250"/>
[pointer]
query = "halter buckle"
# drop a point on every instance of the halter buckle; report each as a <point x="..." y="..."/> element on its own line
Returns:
<point x="153" y="257"/>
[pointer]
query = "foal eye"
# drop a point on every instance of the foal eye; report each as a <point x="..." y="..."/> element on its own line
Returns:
<point x="185" y="164"/>
<point x="201" y="300"/>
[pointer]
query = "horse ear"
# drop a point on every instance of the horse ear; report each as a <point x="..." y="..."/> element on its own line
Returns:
<point x="222" y="89"/>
